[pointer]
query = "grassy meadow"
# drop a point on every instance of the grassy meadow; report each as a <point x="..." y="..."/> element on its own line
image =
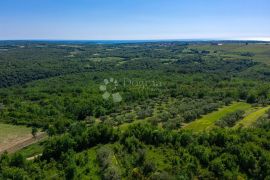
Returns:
<point x="208" y="121"/>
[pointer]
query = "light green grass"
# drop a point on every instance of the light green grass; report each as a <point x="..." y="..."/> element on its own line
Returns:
<point x="124" y="126"/>
<point x="252" y="117"/>
<point x="10" y="133"/>
<point x="208" y="121"/>
<point x="32" y="150"/>
<point x="159" y="157"/>
<point x="92" y="165"/>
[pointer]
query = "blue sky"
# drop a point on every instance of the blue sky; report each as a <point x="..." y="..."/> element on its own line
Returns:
<point x="134" y="19"/>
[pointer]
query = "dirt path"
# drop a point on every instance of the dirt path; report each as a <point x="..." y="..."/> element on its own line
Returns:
<point x="13" y="147"/>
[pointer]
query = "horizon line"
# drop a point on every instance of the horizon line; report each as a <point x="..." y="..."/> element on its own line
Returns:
<point x="189" y="39"/>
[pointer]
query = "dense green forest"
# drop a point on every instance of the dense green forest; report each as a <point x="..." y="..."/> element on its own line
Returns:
<point x="68" y="90"/>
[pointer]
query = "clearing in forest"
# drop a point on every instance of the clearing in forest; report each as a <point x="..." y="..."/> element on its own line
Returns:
<point x="252" y="117"/>
<point x="13" y="138"/>
<point x="208" y="121"/>
<point x="10" y="134"/>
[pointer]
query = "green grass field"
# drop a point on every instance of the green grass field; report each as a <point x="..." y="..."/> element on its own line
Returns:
<point x="207" y="121"/>
<point x="11" y="134"/>
<point x="252" y="117"/>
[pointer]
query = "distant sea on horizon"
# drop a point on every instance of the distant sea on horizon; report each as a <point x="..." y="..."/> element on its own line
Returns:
<point x="94" y="41"/>
<point x="120" y="41"/>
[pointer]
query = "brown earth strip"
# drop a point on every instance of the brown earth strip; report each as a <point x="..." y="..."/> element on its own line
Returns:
<point x="11" y="148"/>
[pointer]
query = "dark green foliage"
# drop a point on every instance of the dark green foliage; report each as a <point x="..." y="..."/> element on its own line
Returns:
<point x="263" y="123"/>
<point x="79" y="138"/>
<point x="220" y="153"/>
<point x="56" y="87"/>
<point x="34" y="131"/>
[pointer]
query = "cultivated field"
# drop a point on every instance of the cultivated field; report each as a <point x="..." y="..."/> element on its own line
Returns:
<point x="10" y="134"/>
<point x="13" y="138"/>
